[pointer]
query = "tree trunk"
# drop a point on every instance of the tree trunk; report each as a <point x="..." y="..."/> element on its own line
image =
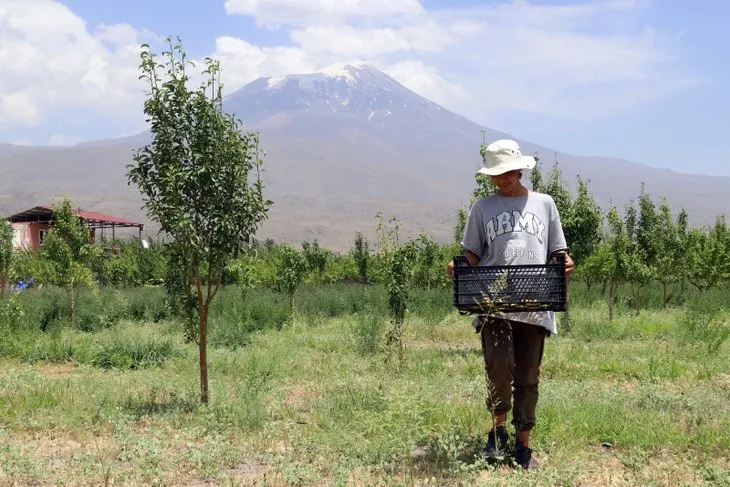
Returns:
<point x="72" y="304"/>
<point x="666" y="299"/>
<point x="202" y="347"/>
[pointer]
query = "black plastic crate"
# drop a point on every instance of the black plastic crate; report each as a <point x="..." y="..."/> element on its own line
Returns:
<point x="483" y="289"/>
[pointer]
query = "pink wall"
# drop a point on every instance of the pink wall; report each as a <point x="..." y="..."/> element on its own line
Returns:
<point x="27" y="235"/>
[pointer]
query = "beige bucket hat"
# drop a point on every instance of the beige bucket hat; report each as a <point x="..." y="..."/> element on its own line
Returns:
<point x="504" y="155"/>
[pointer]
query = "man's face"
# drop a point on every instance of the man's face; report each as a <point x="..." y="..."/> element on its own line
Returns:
<point x="508" y="181"/>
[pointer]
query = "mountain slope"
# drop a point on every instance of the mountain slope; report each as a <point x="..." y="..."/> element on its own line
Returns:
<point x="342" y="145"/>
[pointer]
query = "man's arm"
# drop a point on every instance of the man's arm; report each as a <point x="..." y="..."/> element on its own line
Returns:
<point x="471" y="257"/>
<point x="569" y="264"/>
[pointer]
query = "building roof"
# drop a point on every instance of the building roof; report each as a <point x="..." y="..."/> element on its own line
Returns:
<point x="93" y="218"/>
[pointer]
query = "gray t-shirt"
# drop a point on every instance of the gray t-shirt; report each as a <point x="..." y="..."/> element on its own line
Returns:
<point x="516" y="230"/>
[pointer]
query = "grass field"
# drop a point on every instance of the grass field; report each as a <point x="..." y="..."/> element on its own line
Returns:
<point x="638" y="401"/>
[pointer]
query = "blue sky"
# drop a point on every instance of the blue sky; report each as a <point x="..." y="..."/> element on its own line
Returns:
<point x="637" y="79"/>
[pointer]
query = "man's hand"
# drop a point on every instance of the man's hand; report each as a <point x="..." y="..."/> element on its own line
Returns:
<point x="471" y="257"/>
<point x="569" y="264"/>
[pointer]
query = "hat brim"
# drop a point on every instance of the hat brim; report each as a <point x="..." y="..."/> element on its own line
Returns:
<point x="524" y="162"/>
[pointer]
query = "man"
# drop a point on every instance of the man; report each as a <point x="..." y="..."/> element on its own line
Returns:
<point x="512" y="227"/>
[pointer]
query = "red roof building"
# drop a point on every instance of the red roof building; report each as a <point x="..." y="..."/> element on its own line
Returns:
<point x="31" y="226"/>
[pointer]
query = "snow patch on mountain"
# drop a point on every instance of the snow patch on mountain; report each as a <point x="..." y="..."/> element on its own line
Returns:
<point x="355" y="89"/>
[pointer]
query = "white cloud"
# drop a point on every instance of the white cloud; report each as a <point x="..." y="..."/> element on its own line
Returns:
<point x="242" y="62"/>
<point x="352" y="41"/>
<point x="275" y="13"/>
<point x="121" y="35"/>
<point x="426" y="81"/>
<point x="51" y="63"/>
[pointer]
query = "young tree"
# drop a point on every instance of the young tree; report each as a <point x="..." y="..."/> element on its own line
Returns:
<point x="558" y="189"/>
<point x="461" y="218"/>
<point x="641" y="274"/>
<point x="585" y="224"/>
<point x="485" y="187"/>
<point x="317" y="258"/>
<point x="69" y="251"/>
<point x="648" y="231"/>
<point x="616" y="261"/>
<point x="536" y="176"/>
<point x="426" y="254"/>
<point x="709" y="255"/>
<point x="6" y="253"/>
<point x="361" y="254"/>
<point x="398" y="268"/>
<point x="291" y="273"/>
<point x="670" y="249"/>
<point x="200" y="178"/>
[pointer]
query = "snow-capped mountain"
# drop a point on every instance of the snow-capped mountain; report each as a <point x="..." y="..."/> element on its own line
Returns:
<point x="356" y="89"/>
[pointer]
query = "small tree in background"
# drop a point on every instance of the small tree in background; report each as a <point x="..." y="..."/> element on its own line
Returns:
<point x="616" y="264"/>
<point x="317" y="258"/>
<point x="485" y="187"/>
<point x="199" y="179"/>
<point x="361" y="254"/>
<point x="398" y="271"/>
<point x="69" y="251"/>
<point x="670" y="262"/>
<point x="536" y="176"/>
<point x="6" y="254"/>
<point x="462" y="216"/>
<point x="291" y="272"/>
<point x="708" y="254"/>
<point x="585" y="225"/>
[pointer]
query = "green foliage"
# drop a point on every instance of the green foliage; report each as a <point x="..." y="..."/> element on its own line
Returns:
<point x="640" y="271"/>
<point x="291" y="272"/>
<point x="367" y="331"/>
<point x="317" y="259"/>
<point x="200" y="178"/>
<point x="426" y="256"/>
<point x="6" y="254"/>
<point x="557" y="188"/>
<point x="484" y="185"/>
<point x="462" y="216"/>
<point x="648" y="230"/>
<point x="361" y="254"/>
<point x="617" y="264"/>
<point x="398" y="266"/>
<point x="708" y="255"/>
<point x="121" y="269"/>
<point x="243" y="269"/>
<point x="584" y="224"/>
<point x="536" y="177"/>
<point x="706" y="323"/>
<point x="671" y="257"/>
<point x="69" y="252"/>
